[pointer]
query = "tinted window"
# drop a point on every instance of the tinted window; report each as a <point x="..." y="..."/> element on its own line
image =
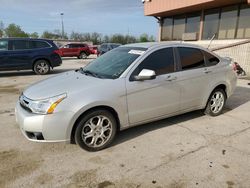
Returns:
<point x="228" y="22"/>
<point x="244" y="23"/>
<point x="167" y="29"/>
<point x="193" y="23"/>
<point x="211" y="23"/>
<point x="104" y="47"/>
<point x="114" y="46"/>
<point x="161" y="61"/>
<point x="39" y="44"/>
<point x="179" y="27"/>
<point x="20" y="45"/>
<point x="211" y="59"/>
<point x="191" y="58"/>
<point x="3" y="45"/>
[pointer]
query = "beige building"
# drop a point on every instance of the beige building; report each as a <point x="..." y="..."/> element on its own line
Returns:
<point x="198" y="21"/>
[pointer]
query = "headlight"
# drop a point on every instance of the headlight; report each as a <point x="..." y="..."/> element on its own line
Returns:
<point x="46" y="106"/>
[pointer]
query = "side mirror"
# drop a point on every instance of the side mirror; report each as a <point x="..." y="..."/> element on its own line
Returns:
<point x="145" y="74"/>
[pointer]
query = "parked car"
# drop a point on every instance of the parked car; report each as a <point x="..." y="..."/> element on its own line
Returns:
<point x="40" y="55"/>
<point x="93" y="50"/>
<point x="81" y="51"/>
<point x="128" y="86"/>
<point x="105" y="47"/>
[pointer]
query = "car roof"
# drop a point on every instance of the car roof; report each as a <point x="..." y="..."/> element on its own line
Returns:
<point x="159" y="44"/>
<point x="76" y="43"/>
<point x="24" y="38"/>
<point x="111" y="44"/>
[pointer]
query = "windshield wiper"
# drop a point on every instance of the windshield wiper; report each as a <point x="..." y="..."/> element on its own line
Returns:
<point x="87" y="72"/>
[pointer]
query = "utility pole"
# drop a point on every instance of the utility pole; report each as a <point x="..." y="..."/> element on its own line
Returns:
<point x="62" y="25"/>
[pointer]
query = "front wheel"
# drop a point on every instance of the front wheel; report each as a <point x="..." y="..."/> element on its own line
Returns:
<point x="216" y="102"/>
<point x="82" y="55"/>
<point x="41" y="67"/>
<point x="96" y="130"/>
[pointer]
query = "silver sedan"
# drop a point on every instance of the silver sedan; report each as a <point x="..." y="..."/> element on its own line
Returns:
<point x="128" y="86"/>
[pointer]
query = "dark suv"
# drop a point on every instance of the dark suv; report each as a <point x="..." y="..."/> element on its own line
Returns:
<point x="105" y="47"/>
<point x="40" y="55"/>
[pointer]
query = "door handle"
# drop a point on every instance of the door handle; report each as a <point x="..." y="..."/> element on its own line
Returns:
<point x="170" y="78"/>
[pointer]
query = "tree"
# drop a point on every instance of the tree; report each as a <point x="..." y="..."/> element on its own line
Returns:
<point x="96" y="38"/>
<point x="106" y="39"/>
<point x="14" y="30"/>
<point x="34" y="35"/>
<point x="76" y="36"/>
<point x="50" y="35"/>
<point x="144" y="38"/>
<point x="59" y="33"/>
<point x="1" y="29"/>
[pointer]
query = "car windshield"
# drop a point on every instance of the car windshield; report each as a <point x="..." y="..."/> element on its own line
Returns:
<point x="113" y="63"/>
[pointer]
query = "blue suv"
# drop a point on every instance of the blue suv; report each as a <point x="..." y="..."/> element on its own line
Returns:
<point x="40" y="55"/>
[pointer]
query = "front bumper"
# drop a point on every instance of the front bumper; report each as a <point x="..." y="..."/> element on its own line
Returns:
<point x="49" y="128"/>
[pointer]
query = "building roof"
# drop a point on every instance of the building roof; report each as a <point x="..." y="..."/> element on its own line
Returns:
<point x="162" y="8"/>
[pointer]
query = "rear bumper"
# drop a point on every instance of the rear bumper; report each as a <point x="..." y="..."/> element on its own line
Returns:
<point x="55" y="60"/>
<point x="44" y="128"/>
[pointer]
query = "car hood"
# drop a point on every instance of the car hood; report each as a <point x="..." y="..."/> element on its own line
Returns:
<point x="68" y="82"/>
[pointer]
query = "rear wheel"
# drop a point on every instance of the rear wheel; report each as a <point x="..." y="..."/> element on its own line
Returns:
<point x="96" y="130"/>
<point x="82" y="55"/>
<point x="41" y="67"/>
<point x="216" y="102"/>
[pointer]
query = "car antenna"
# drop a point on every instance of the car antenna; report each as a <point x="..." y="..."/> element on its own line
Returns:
<point x="211" y="40"/>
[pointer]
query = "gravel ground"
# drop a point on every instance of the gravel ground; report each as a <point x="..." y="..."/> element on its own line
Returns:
<point x="191" y="150"/>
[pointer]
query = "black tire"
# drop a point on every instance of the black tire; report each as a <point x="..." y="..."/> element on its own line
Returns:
<point x="93" y="134"/>
<point x="41" y="67"/>
<point x="215" y="106"/>
<point x="82" y="55"/>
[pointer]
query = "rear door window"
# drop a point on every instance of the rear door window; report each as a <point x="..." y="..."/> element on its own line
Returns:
<point x="39" y="44"/>
<point x="191" y="58"/>
<point x="211" y="59"/>
<point x="160" y="61"/>
<point x="3" y="45"/>
<point x="20" y="45"/>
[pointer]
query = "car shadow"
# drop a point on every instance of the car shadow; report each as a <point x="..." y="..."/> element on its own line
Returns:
<point x="30" y="73"/>
<point x="137" y="131"/>
<point x="240" y="97"/>
<point x="75" y="58"/>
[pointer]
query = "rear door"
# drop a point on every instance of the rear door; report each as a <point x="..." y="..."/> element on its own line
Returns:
<point x="153" y="99"/>
<point x="193" y="77"/>
<point x="75" y="49"/>
<point x="4" y="54"/>
<point x="66" y="50"/>
<point x="20" y="54"/>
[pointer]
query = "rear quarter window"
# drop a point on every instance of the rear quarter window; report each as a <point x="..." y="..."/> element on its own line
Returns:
<point x="211" y="60"/>
<point x="39" y="44"/>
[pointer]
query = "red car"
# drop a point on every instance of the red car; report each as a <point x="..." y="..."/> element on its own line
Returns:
<point x="81" y="51"/>
<point x="93" y="50"/>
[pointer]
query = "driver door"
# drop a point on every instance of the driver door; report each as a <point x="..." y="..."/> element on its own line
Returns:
<point x="156" y="98"/>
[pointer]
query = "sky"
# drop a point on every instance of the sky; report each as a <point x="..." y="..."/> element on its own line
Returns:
<point x="103" y="16"/>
